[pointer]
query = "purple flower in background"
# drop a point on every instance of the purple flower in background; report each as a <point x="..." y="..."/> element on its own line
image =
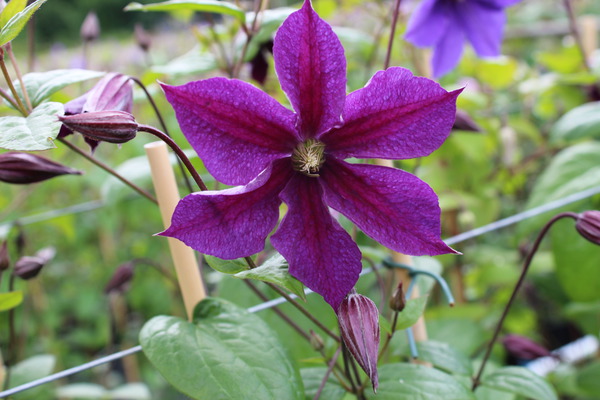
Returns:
<point x="247" y="138"/>
<point x="445" y="24"/>
<point x="114" y="92"/>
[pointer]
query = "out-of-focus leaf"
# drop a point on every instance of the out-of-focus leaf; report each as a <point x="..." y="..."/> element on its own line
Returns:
<point x="81" y="391"/>
<point x="411" y="313"/>
<point x="417" y="382"/>
<point x="41" y="85"/>
<point x="37" y="131"/>
<point x="28" y="370"/>
<point x="275" y="270"/>
<point x="445" y="357"/>
<point x="563" y="60"/>
<point x="226" y="266"/>
<point x="10" y="300"/>
<point x="195" y="61"/>
<point x="582" y="122"/>
<point x="312" y="378"/>
<point x="587" y="378"/>
<point x="225" y="353"/>
<point x="520" y="381"/>
<point x="498" y="73"/>
<point x="17" y="22"/>
<point x="212" y="6"/>
<point x="12" y="7"/>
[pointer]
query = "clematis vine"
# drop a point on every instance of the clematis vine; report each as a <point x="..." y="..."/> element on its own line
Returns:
<point x="274" y="154"/>
<point x="445" y="24"/>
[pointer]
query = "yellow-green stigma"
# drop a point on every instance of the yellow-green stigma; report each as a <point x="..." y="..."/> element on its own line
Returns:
<point x="308" y="157"/>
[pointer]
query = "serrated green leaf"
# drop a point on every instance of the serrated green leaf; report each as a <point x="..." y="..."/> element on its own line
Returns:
<point x="10" y="300"/>
<point x="15" y="25"/>
<point x="37" y="131"/>
<point x="312" y="378"/>
<point x="225" y="353"/>
<point x="12" y="7"/>
<point x="579" y="123"/>
<point x="41" y="85"/>
<point x="417" y="382"/>
<point x="226" y="266"/>
<point x="520" y="381"/>
<point x="275" y="270"/>
<point x="213" y="6"/>
<point x="445" y="357"/>
<point x="411" y="313"/>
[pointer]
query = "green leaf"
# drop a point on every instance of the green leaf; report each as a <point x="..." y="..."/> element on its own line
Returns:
<point x="445" y="357"/>
<point x="312" y="378"/>
<point x="193" y="62"/>
<point x="520" y="381"/>
<point x="12" y="7"/>
<point x="37" y="131"/>
<point x="213" y="6"/>
<point x="225" y="353"/>
<point x="10" y="300"/>
<point x="16" y="24"/>
<point x="587" y="378"/>
<point x="411" y="313"/>
<point x="579" y="123"/>
<point x="41" y="85"/>
<point x="226" y="266"/>
<point x="28" y="370"/>
<point x="417" y="382"/>
<point x="275" y="270"/>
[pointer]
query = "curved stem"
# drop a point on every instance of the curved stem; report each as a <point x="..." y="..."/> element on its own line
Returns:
<point x="7" y="97"/>
<point x="108" y="169"/>
<point x="392" y="34"/>
<point x="513" y="295"/>
<point x="186" y="161"/>
<point x="164" y="128"/>
<point x="20" y="107"/>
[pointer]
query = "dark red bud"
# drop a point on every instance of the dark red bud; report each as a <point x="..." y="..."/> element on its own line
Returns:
<point x="4" y="257"/>
<point x="90" y="28"/>
<point x="358" y="318"/>
<point x="397" y="301"/>
<point x="142" y="37"/>
<point x="22" y="168"/>
<point x="522" y="348"/>
<point x="588" y="225"/>
<point x="106" y="126"/>
<point x="28" y="267"/>
<point x="121" y="279"/>
<point x="464" y="122"/>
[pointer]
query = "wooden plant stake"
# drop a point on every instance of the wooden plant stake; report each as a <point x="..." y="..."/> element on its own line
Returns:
<point x="588" y="26"/>
<point x="186" y="266"/>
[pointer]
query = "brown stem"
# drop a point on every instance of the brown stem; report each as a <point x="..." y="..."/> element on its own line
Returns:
<point x="575" y="32"/>
<point x="513" y="295"/>
<point x="108" y="169"/>
<point x="392" y="34"/>
<point x="171" y="143"/>
<point x="19" y="76"/>
<point x="259" y="5"/>
<point x="16" y="97"/>
<point x="7" y="97"/>
<point x="327" y="373"/>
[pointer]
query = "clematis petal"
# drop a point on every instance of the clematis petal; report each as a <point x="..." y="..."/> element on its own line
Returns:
<point x="483" y="25"/>
<point x="114" y="92"/>
<point x="393" y="207"/>
<point x="310" y="63"/>
<point x="448" y="50"/>
<point x="428" y="23"/>
<point x="498" y="3"/>
<point x="396" y="116"/>
<point x="234" y="222"/>
<point x="320" y="253"/>
<point x="236" y="129"/>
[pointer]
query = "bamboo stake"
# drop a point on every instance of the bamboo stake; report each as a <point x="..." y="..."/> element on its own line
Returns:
<point x="588" y="26"/>
<point x="186" y="266"/>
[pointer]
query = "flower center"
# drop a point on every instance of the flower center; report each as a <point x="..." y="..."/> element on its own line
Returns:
<point x="308" y="157"/>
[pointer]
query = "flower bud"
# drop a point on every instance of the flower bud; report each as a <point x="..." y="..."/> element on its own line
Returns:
<point x="358" y="318"/>
<point x="4" y="258"/>
<point x="397" y="301"/>
<point x="90" y="28"/>
<point x="121" y="279"/>
<point x="28" y="267"/>
<point x="106" y="126"/>
<point x="23" y="168"/>
<point x="464" y="122"/>
<point x="142" y="37"/>
<point x="522" y="349"/>
<point x="588" y="225"/>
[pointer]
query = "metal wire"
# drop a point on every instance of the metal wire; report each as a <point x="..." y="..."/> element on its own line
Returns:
<point x="275" y="302"/>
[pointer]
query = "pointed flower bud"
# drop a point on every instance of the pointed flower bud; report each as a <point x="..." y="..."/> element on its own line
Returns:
<point x="588" y="225"/>
<point x="105" y="126"/>
<point x="23" y="168"/>
<point x="4" y="258"/>
<point x="142" y="37"/>
<point x="121" y="279"/>
<point x="523" y="349"/>
<point x="464" y="122"/>
<point x="28" y="267"/>
<point x="397" y="301"/>
<point x="90" y="28"/>
<point x="359" y="325"/>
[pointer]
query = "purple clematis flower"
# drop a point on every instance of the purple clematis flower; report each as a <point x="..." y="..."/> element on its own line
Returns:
<point x="445" y="24"/>
<point x="247" y="138"/>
